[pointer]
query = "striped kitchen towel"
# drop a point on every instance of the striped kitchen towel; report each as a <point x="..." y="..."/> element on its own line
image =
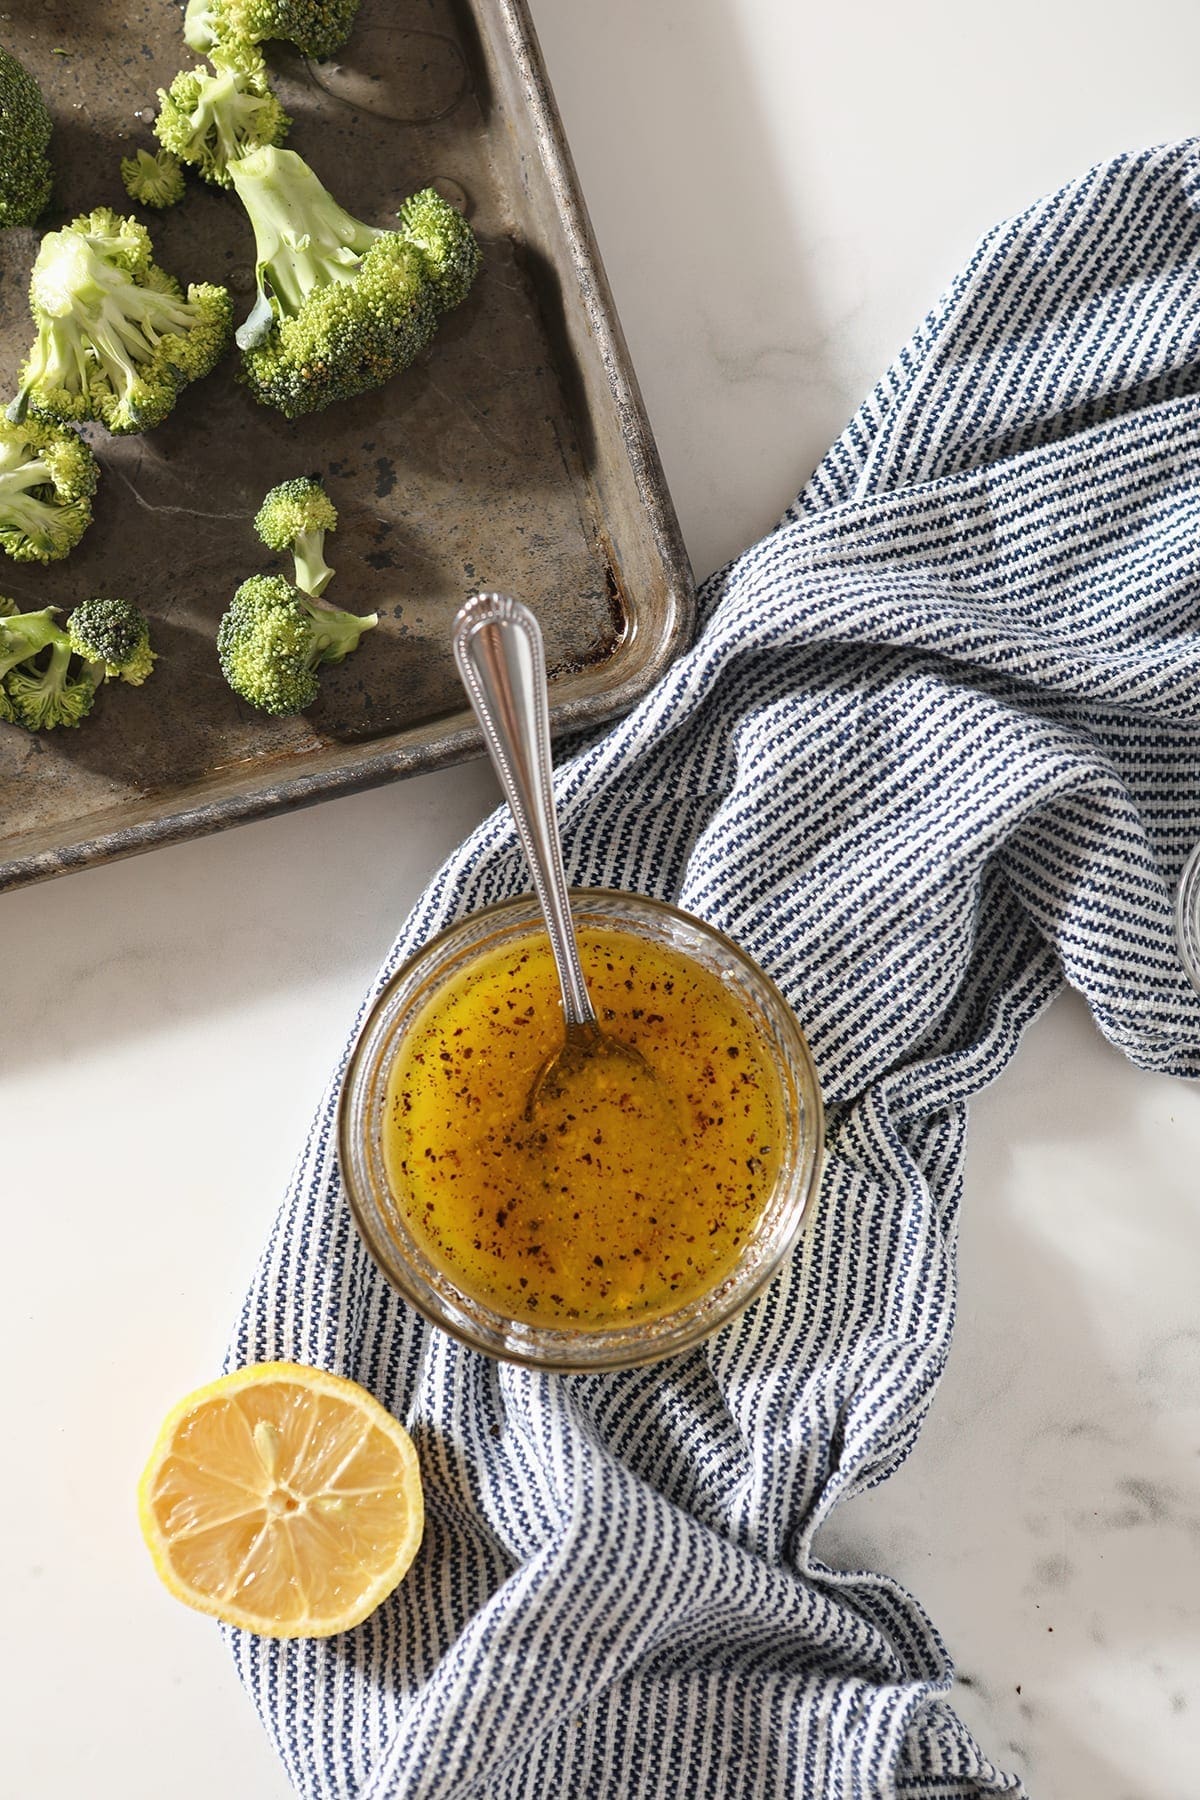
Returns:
<point x="935" y="751"/>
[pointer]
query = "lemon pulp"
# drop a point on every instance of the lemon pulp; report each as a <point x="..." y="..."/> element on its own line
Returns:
<point x="282" y="1499"/>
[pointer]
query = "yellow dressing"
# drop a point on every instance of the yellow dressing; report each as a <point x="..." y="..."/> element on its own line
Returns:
<point x="614" y="1208"/>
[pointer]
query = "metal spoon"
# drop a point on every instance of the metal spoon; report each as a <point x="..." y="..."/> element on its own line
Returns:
<point x="502" y="661"/>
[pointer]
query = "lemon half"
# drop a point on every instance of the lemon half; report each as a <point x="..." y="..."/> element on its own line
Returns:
<point x="282" y="1499"/>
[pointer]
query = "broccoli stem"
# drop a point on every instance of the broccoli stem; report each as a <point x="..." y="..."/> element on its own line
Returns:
<point x="158" y="314"/>
<point x="45" y="698"/>
<point x="54" y="676"/>
<point x="18" y="479"/>
<point x="335" y="633"/>
<point x="65" y="367"/>
<point x="23" y="511"/>
<point x="14" y="464"/>
<point x="303" y="238"/>
<point x="25" y="635"/>
<point x="313" y="573"/>
<point x="199" y="27"/>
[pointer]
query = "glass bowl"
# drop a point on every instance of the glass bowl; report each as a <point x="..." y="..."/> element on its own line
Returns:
<point x="1187" y="918"/>
<point x="380" y="1212"/>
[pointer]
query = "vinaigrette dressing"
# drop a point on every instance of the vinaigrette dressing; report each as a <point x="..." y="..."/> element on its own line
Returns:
<point x="600" y="1215"/>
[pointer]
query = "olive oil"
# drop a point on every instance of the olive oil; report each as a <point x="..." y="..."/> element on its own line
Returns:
<point x="606" y="1216"/>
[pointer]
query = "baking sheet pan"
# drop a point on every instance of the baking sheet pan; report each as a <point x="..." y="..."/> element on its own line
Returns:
<point x="514" y="454"/>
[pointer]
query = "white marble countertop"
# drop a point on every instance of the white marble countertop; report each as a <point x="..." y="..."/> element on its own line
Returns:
<point x="779" y="192"/>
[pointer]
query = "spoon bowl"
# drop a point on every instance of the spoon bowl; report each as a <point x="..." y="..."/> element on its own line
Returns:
<point x="595" y="1068"/>
<point x="584" y="1088"/>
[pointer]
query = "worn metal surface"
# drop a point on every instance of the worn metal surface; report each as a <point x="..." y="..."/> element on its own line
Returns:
<point x="515" y="454"/>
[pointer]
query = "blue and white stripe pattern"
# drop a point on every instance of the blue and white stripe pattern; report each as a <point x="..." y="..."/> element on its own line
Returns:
<point x="936" y="749"/>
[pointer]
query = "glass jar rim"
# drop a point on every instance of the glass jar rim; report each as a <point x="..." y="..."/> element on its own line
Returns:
<point x="378" y="1213"/>
<point x="1187" y="917"/>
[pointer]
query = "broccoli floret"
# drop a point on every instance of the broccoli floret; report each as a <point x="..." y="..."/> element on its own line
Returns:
<point x="209" y="117"/>
<point x="317" y="27"/>
<point x="153" y="178"/>
<point x="44" y="685"/>
<point x="273" y="639"/>
<point x="50" y="676"/>
<point x="295" y="516"/>
<point x="341" y="306"/>
<point x="25" y="174"/>
<point x="446" y="242"/>
<point x="117" y="340"/>
<point x="52" y="694"/>
<point x="47" y="479"/>
<point x="115" y="634"/>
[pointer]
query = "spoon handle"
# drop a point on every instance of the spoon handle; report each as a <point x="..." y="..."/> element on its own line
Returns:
<point x="502" y="661"/>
